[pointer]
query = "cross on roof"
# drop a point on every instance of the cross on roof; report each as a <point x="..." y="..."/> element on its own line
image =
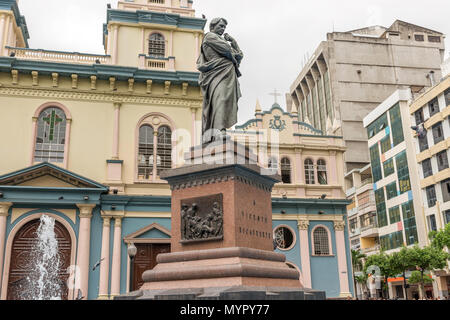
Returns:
<point x="275" y="94"/>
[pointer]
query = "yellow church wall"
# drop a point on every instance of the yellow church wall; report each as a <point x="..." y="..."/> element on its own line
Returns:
<point x="92" y="125"/>
<point x="185" y="60"/>
<point x="90" y="138"/>
<point x="133" y="41"/>
<point x="129" y="46"/>
<point x="15" y="130"/>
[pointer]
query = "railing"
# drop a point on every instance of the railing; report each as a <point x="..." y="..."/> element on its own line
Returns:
<point x="370" y="226"/>
<point x="58" y="56"/>
<point x="371" y="249"/>
<point x="366" y="181"/>
<point x="156" y="63"/>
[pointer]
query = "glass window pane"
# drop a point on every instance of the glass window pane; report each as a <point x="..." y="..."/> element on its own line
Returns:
<point x="391" y="190"/>
<point x="50" y="139"/>
<point x="388" y="167"/>
<point x="396" y="125"/>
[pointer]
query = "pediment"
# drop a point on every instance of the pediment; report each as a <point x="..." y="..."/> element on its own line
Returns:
<point x="48" y="175"/>
<point x="149" y="233"/>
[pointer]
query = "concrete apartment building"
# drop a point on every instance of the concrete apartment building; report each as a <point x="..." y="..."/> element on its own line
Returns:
<point x="362" y="212"/>
<point x="352" y="72"/>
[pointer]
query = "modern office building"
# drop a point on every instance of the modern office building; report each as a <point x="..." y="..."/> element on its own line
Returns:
<point x="398" y="196"/>
<point x="352" y="72"/>
<point x="431" y="112"/>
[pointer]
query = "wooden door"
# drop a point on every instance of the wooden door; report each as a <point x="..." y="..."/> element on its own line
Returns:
<point x="21" y="257"/>
<point x="146" y="260"/>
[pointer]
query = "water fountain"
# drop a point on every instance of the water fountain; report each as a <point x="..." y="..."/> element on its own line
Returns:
<point x="43" y="282"/>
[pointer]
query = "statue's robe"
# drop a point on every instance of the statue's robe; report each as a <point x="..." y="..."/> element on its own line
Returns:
<point x="218" y="64"/>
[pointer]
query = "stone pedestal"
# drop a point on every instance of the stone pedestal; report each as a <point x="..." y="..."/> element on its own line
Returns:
<point x="222" y="239"/>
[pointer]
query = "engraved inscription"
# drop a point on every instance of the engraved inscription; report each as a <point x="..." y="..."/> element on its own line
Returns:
<point x="202" y="219"/>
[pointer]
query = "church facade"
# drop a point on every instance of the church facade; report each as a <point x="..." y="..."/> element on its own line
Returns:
<point x="87" y="136"/>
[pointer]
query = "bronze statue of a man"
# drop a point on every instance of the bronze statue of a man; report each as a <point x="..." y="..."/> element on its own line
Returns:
<point x="218" y="64"/>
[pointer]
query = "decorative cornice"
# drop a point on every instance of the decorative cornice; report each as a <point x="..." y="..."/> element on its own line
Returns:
<point x="97" y="97"/>
<point x="212" y="174"/>
<point x="162" y="18"/>
<point x="102" y="71"/>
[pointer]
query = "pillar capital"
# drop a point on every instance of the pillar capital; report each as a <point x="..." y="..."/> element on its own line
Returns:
<point x="106" y="221"/>
<point x="85" y="210"/>
<point x="118" y="221"/>
<point x="302" y="224"/>
<point x="339" y="225"/>
<point x="4" y="208"/>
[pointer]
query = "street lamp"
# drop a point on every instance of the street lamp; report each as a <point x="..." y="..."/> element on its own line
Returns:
<point x="132" y="250"/>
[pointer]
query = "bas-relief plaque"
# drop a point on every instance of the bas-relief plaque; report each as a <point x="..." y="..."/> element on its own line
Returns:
<point x="202" y="219"/>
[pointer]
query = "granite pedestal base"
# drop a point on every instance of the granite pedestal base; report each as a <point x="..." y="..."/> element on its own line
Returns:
<point x="222" y="242"/>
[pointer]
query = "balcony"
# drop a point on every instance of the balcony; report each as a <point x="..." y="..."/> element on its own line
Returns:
<point x="58" y="56"/>
<point x="369" y="231"/>
<point x="156" y="63"/>
<point x="355" y="232"/>
<point x="371" y="250"/>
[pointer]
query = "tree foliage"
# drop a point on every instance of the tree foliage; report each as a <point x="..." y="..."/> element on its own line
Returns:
<point x="441" y="239"/>
<point x="416" y="277"/>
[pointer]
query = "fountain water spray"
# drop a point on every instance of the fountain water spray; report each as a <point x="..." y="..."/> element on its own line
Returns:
<point x="43" y="282"/>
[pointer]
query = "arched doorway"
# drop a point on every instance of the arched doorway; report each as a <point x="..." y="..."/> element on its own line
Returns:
<point x="22" y="258"/>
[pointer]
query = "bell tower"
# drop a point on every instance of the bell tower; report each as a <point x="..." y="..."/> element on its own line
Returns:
<point x="162" y="35"/>
<point x="13" y="27"/>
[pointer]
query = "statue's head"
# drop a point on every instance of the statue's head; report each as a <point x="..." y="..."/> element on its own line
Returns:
<point x="218" y="25"/>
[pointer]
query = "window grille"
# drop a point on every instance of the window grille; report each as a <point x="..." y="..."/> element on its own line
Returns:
<point x="164" y="149"/>
<point x="286" y="170"/>
<point x="50" y="137"/>
<point x="145" y="153"/>
<point x="321" y="245"/>
<point x="322" y="171"/>
<point x="283" y="238"/>
<point x="442" y="160"/>
<point x="431" y="196"/>
<point x="157" y="45"/>
<point x="433" y="107"/>
<point x="426" y="168"/>
<point x="438" y="134"/>
<point x="309" y="171"/>
<point x="434" y="38"/>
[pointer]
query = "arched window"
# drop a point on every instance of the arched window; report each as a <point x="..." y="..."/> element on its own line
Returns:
<point x="322" y="171"/>
<point x="164" y="149"/>
<point x="309" y="171"/>
<point x="146" y="151"/>
<point x="50" y="136"/>
<point x="286" y="170"/>
<point x="157" y="45"/>
<point x="155" y="149"/>
<point x="321" y="243"/>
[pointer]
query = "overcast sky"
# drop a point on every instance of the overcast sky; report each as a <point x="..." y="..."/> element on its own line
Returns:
<point x="275" y="35"/>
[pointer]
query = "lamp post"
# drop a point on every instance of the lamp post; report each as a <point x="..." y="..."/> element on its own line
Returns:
<point x="132" y="250"/>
